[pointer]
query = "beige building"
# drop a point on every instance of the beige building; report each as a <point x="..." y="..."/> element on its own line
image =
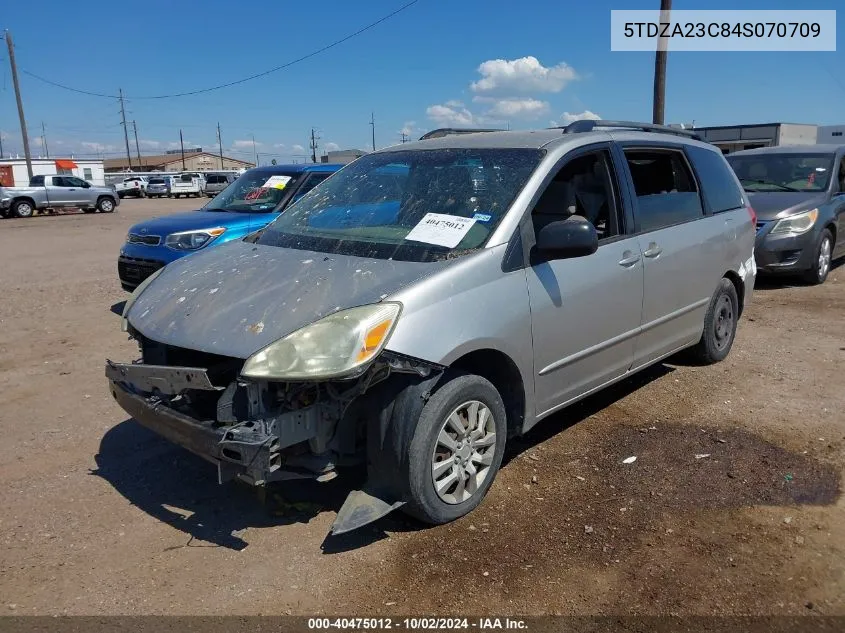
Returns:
<point x="194" y="161"/>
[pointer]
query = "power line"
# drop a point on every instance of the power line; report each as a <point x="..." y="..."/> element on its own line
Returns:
<point x="238" y="81"/>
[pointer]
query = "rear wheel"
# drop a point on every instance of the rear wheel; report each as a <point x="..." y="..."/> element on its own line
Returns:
<point x="821" y="263"/>
<point x="105" y="205"/>
<point x="23" y="209"/>
<point x="720" y="323"/>
<point x="456" y="449"/>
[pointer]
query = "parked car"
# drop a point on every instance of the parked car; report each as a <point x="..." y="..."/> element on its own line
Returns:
<point x="187" y="184"/>
<point x="433" y="299"/>
<point x="255" y="199"/>
<point x="135" y="186"/>
<point x="215" y="183"/>
<point x="798" y="193"/>
<point x="158" y="186"/>
<point x="54" y="192"/>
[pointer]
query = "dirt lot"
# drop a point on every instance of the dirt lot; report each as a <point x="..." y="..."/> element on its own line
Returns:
<point x="99" y="516"/>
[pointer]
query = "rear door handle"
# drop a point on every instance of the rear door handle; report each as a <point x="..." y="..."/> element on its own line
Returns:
<point x="653" y="250"/>
<point x="629" y="259"/>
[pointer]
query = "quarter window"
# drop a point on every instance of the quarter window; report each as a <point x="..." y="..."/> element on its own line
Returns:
<point x="718" y="182"/>
<point x="665" y="189"/>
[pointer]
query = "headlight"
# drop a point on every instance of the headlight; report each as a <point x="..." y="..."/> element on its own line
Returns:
<point x="192" y="240"/>
<point x="334" y="346"/>
<point x="124" y="321"/>
<point x="796" y="224"/>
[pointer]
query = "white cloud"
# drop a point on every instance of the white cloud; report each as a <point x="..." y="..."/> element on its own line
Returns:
<point x="279" y="145"/>
<point x="247" y="144"/>
<point x="408" y="128"/>
<point x="177" y="145"/>
<point x="512" y="108"/>
<point x="298" y="148"/>
<point x="97" y="147"/>
<point x="524" y="75"/>
<point x="568" y="117"/>
<point x="450" y="115"/>
<point x="147" y="144"/>
<point x="331" y="147"/>
<point x="454" y="103"/>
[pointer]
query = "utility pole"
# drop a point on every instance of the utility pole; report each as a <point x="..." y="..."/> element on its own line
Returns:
<point x="404" y="137"/>
<point x="137" y="147"/>
<point x="373" y="125"/>
<point x="125" y="129"/>
<point x="1" y="145"/>
<point x="24" y="136"/>
<point x="182" y="145"/>
<point x="44" y="140"/>
<point x="220" y="144"/>
<point x="660" y="67"/>
<point x="254" y="150"/>
<point x="314" y="139"/>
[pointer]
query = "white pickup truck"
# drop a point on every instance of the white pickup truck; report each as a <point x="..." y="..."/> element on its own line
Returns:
<point x="53" y="192"/>
<point x="132" y="186"/>
<point x="187" y="184"/>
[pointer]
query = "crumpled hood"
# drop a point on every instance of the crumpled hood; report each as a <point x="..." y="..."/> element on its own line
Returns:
<point x="776" y="205"/>
<point x="188" y="221"/>
<point x="237" y="298"/>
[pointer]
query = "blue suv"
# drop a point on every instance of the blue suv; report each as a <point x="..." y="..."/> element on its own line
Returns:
<point x="254" y="200"/>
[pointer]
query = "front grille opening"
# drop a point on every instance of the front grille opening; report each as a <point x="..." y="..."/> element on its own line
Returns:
<point x="150" y="240"/>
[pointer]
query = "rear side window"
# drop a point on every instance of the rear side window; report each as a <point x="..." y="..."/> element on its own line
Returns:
<point x="665" y="188"/>
<point x="37" y="181"/>
<point x="717" y="180"/>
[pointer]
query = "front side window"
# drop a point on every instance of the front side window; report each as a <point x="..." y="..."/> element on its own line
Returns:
<point x="422" y="205"/>
<point x="258" y="191"/>
<point x="584" y="187"/>
<point x="783" y="171"/>
<point x="665" y="189"/>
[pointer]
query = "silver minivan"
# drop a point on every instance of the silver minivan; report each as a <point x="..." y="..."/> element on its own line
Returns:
<point x="431" y="300"/>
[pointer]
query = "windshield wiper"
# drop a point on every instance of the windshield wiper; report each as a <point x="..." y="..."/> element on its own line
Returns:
<point x="767" y="182"/>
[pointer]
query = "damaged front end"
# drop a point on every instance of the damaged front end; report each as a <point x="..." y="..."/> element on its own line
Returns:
<point x="261" y="431"/>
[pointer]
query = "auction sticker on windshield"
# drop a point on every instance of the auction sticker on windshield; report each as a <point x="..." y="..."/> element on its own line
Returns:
<point x="441" y="229"/>
<point x="276" y="182"/>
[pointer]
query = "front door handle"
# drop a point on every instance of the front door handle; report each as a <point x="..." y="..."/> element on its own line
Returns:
<point x="629" y="258"/>
<point x="653" y="250"/>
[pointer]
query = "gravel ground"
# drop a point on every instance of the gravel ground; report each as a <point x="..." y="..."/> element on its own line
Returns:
<point x="100" y="516"/>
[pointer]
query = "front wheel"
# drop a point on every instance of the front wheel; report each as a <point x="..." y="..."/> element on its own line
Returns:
<point x="821" y="263"/>
<point x="720" y="323"/>
<point x="456" y="449"/>
<point x="105" y="205"/>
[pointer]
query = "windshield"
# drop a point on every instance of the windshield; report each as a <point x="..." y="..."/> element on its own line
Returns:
<point x="419" y="205"/>
<point x="783" y="171"/>
<point x="259" y="191"/>
<point x="157" y="181"/>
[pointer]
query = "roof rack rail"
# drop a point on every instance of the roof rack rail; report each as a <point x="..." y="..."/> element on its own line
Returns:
<point x="448" y="131"/>
<point x="588" y="125"/>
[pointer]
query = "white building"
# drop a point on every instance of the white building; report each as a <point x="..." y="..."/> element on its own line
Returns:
<point x="13" y="170"/>
<point x="732" y="138"/>
<point x="833" y="134"/>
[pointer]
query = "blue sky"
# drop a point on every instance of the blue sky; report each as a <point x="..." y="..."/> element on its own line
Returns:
<point x="433" y="64"/>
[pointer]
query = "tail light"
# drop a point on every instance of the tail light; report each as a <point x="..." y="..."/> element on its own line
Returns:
<point x="753" y="214"/>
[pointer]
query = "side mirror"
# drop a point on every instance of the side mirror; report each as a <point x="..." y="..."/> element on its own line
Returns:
<point x="573" y="237"/>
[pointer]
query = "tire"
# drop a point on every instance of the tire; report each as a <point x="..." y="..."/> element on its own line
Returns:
<point x="821" y="266"/>
<point x="23" y="209"/>
<point x="454" y="397"/>
<point x="720" y="323"/>
<point x="105" y="205"/>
